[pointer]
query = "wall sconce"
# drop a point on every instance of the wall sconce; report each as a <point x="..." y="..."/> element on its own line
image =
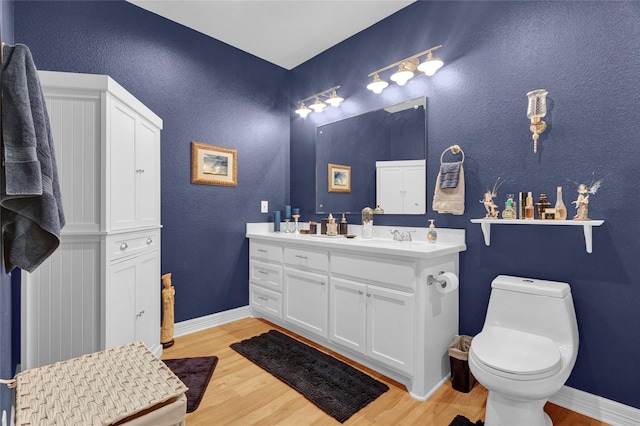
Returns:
<point x="322" y="99"/>
<point x="536" y="110"/>
<point x="406" y="70"/>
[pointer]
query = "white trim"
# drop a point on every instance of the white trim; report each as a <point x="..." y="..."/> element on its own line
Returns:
<point x="596" y="407"/>
<point x="202" y="323"/>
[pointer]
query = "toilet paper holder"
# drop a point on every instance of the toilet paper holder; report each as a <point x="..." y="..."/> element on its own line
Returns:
<point x="432" y="280"/>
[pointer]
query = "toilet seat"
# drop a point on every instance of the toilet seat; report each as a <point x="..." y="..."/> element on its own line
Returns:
<point x="515" y="354"/>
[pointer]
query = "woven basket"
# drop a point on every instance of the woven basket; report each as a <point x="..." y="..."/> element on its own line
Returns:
<point x="101" y="388"/>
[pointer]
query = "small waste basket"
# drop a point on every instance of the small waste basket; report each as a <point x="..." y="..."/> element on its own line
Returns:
<point x="461" y="377"/>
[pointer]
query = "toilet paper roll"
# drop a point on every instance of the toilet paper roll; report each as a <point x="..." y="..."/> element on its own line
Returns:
<point x="450" y="282"/>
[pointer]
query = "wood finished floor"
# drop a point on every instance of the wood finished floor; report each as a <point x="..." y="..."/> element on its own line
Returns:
<point x="241" y="393"/>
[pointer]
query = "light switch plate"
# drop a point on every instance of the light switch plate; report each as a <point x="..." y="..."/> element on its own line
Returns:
<point x="264" y="207"/>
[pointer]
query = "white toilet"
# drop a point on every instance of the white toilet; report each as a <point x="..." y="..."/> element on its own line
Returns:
<point x="526" y="349"/>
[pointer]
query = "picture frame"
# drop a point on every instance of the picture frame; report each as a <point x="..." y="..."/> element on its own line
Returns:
<point x="213" y="165"/>
<point x="339" y="178"/>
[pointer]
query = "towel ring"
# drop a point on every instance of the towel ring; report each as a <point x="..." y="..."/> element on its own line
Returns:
<point x="455" y="149"/>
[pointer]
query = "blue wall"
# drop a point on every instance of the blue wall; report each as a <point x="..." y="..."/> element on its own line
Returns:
<point x="586" y="55"/>
<point x="6" y="364"/>
<point x="205" y="91"/>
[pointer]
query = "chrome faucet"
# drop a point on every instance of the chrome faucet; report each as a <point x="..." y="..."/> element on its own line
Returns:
<point x="401" y="236"/>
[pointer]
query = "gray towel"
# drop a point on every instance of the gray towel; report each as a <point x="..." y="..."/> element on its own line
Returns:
<point x="449" y="174"/>
<point x="32" y="214"/>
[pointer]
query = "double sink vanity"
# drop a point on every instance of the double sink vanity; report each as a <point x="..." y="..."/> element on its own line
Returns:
<point x="367" y="299"/>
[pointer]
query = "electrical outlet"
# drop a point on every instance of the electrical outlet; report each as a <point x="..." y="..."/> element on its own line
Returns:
<point x="264" y="207"/>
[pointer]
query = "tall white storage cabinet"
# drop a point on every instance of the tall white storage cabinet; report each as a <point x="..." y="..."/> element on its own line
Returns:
<point x="401" y="186"/>
<point x="101" y="288"/>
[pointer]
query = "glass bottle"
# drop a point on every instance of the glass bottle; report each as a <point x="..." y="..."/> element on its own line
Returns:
<point x="561" y="210"/>
<point x="528" y="210"/>
<point x="367" y="222"/>
<point x="542" y="205"/>
<point x="509" y="211"/>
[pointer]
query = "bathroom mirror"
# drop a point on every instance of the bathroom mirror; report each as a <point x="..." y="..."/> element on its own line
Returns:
<point x="347" y="151"/>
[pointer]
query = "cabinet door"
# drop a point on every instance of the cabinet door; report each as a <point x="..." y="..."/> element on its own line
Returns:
<point x="348" y="314"/>
<point x="147" y="294"/>
<point x="389" y="195"/>
<point x="414" y="183"/>
<point x="306" y="300"/>
<point x="121" y="167"/>
<point x="120" y="308"/>
<point x="390" y="327"/>
<point x="147" y="174"/>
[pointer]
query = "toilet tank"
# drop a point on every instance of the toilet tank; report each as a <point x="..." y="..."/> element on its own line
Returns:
<point x="535" y="306"/>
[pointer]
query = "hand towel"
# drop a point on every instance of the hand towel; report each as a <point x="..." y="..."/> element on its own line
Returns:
<point x="450" y="174"/>
<point x="449" y="200"/>
<point x="32" y="215"/>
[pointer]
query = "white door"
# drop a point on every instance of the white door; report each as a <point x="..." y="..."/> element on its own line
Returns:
<point x="120" y="305"/>
<point x="122" y="167"/>
<point x="306" y="298"/>
<point x="147" y="170"/>
<point x="348" y="314"/>
<point x="390" y="327"/>
<point x="147" y="324"/>
<point x="414" y="183"/>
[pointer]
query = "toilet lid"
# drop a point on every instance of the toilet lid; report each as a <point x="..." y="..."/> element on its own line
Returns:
<point x="516" y="352"/>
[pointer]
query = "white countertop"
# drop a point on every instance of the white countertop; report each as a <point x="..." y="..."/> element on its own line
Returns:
<point x="450" y="241"/>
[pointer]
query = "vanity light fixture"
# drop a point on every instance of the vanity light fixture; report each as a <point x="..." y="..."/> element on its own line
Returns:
<point x="535" y="111"/>
<point x="329" y="96"/>
<point x="406" y="70"/>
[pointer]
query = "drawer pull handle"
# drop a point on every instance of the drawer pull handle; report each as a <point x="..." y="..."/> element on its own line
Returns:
<point x="140" y="314"/>
<point x="263" y="298"/>
<point x="123" y="246"/>
<point x="149" y="241"/>
<point x="263" y="272"/>
<point x="299" y="256"/>
<point x="262" y="250"/>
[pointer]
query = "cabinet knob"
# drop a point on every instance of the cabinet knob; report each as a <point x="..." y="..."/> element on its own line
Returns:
<point x="360" y="292"/>
<point x="123" y="246"/>
<point x="368" y="294"/>
<point x="322" y="282"/>
<point x="149" y="240"/>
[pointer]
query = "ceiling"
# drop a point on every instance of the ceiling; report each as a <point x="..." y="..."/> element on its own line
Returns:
<point x="285" y="33"/>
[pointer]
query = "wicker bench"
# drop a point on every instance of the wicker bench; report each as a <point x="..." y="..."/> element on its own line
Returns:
<point x="126" y="385"/>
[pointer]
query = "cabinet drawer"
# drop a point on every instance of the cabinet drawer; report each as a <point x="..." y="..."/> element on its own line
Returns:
<point x="124" y="245"/>
<point x="306" y="259"/>
<point x="268" y="275"/>
<point x="388" y="272"/>
<point x="266" y="301"/>
<point x="265" y="252"/>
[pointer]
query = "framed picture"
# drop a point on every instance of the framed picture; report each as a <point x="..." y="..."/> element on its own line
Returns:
<point x="339" y="178"/>
<point x="213" y="165"/>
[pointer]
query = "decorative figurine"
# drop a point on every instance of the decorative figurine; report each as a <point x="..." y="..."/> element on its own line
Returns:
<point x="582" y="202"/>
<point x="489" y="205"/>
<point x="168" y="295"/>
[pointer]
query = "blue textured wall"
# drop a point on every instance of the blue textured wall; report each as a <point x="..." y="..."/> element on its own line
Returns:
<point x="586" y="55"/>
<point x="205" y="91"/>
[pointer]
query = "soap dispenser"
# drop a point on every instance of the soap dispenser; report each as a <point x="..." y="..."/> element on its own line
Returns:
<point x="367" y="222"/>
<point x="432" y="235"/>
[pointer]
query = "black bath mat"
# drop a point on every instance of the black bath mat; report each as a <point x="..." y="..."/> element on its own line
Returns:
<point x="195" y="373"/>
<point x="334" y="386"/>
<point x="463" y="421"/>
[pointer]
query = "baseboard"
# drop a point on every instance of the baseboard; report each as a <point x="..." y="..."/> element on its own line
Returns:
<point x="596" y="407"/>
<point x="202" y="323"/>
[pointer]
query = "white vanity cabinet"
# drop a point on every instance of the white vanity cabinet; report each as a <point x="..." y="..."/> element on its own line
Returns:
<point x="401" y="186"/>
<point x="374" y="321"/>
<point x="366" y="299"/>
<point x="102" y="287"/>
